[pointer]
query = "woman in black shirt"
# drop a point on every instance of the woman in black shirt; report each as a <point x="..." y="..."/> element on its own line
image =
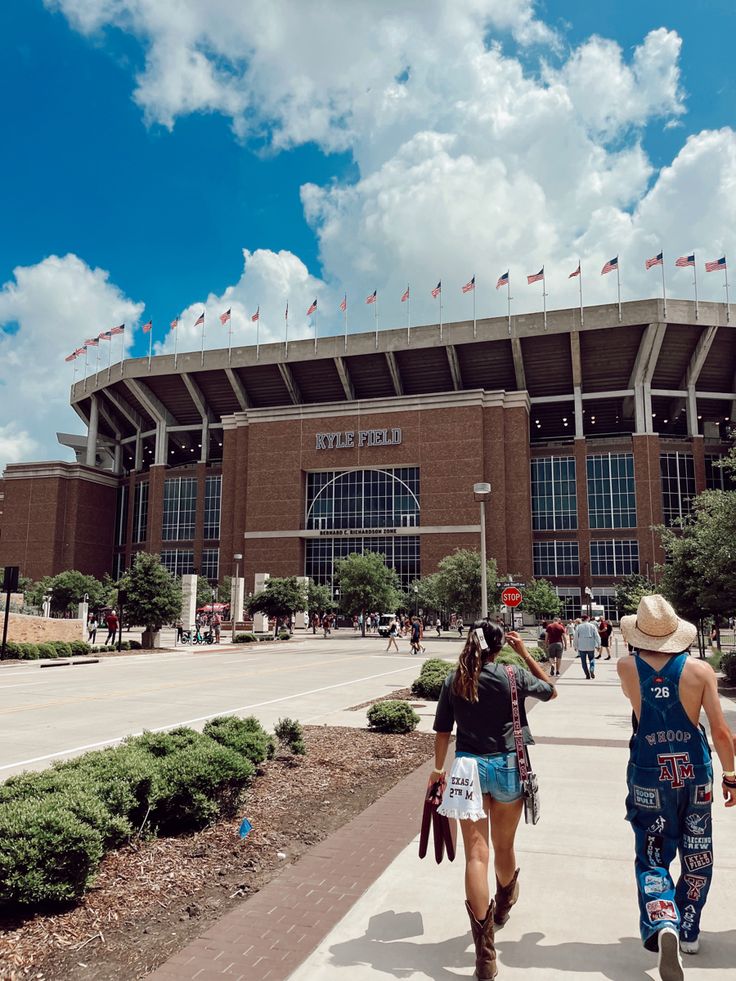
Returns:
<point x="477" y="697"/>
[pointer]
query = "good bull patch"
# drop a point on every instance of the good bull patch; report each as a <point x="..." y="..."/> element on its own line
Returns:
<point x="646" y="797"/>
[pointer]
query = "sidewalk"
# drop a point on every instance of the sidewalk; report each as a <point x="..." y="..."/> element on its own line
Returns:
<point x="362" y="906"/>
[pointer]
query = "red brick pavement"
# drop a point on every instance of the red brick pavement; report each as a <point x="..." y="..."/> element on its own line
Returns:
<point x="271" y="934"/>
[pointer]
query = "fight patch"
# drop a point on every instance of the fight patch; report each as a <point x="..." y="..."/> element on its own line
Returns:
<point x="654" y="885"/>
<point x="661" y="909"/>
<point x="699" y="860"/>
<point x="653" y="849"/>
<point x="645" y="797"/>
<point x="703" y="793"/>
<point x="658" y="825"/>
<point x="695" y="884"/>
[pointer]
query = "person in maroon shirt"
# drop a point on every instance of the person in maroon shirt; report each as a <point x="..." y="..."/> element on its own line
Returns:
<point x="112" y="623"/>
<point x="556" y="639"/>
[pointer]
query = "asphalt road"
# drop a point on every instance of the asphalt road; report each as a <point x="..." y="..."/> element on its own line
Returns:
<point x="57" y="712"/>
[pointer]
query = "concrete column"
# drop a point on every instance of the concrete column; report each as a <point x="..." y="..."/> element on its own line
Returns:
<point x="260" y="620"/>
<point x="692" y="412"/>
<point x="237" y="598"/>
<point x="648" y="417"/>
<point x="162" y="443"/>
<point x="579" y="433"/>
<point x="82" y="614"/>
<point x="189" y="601"/>
<point x="639" y="410"/>
<point x="205" y="440"/>
<point x="94" y="417"/>
<point x="138" y="464"/>
<point x="117" y="463"/>
<point x="301" y="617"/>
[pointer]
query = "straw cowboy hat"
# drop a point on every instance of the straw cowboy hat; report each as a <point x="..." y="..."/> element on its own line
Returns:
<point x="656" y="627"/>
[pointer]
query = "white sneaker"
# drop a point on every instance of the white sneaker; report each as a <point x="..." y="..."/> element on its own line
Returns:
<point x="670" y="962"/>
<point x="690" y="946"/>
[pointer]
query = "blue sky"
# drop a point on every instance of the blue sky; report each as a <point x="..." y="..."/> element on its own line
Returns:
<point x="343" y="150"/>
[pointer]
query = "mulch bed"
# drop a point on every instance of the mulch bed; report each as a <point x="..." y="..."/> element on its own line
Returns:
<point x="401" y="694"/>
<point x="152" y="898"/>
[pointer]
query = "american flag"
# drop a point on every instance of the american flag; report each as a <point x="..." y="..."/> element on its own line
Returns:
<point x="405" y="295"/>
<point x="80" y="350"/>
<point x="114" y="331"/>
<point x="92" y="341"/>
<point x="71" y="357"/>
<point x="685" y="260"/>
<point x="174" y="323"/>
<point x="372" y="298"/>
<point x="575" y="272"/>
<point x="105" y="335"/>
<point x="437" y="290"/>
<point x="503" y="280"/>
<point x="610" y="266"/>
<point x="656" y="260"/>
<point x="311" y="310"/>
<point x="344" y="304"/>
<point x="256" y="316"/>
<point x="716" y="264"/>
<point x="286" y="312"/>
<point x="469" y="286"/>
<point x="146" y="327"/>
<point x="535" y="277"/>
<point x="199" y="322"/>
<point x="224" y="317"/>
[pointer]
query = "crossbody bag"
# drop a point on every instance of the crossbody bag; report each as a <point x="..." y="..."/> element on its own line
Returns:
<point x="527" y="778"/>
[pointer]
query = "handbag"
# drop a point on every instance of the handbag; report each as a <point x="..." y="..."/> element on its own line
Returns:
<point x="443" y="832"/>
<point x="527" y="777"/>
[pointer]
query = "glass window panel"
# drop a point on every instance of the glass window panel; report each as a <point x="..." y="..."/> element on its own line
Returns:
<point x="180" y="509"/>
<point x="212" y="499"/>
<point x="556" y="559"/>
<point x="211" y="564"/>
<point x="179" y="561"/>
<point x="140" y="513"/>
<point x="554" y="494"/>
<point x="611" y="492"/>
<point x="678" y="485"/>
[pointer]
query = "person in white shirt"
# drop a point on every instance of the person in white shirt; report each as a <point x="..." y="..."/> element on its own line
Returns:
<point x="587" y="641"/>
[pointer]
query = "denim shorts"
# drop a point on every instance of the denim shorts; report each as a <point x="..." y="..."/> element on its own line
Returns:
<point x="499" y="775"/>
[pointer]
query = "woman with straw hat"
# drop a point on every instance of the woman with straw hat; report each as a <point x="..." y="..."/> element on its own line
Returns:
<point x="670" y="776"/>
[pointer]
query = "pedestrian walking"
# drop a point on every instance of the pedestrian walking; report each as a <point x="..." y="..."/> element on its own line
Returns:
<point x="438" y="626"/>
<point x="460" y="626"/>
<point x="587" y="641"/>
<point x="605" y="629"/>
<point x="112" y="623"/>
<point x="670" y="777"/>
<point x="476" y="697"/>
<point x="556" y="638"/>
<point x="92" y="628"/>
<point x="414" y="636"/>
<point x="393" y="629"/>
<point x="216" y="625"/>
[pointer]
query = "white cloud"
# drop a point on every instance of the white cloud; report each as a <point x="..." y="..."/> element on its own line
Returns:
<point x="48" y="310"/>
<point x="472" y="156"/>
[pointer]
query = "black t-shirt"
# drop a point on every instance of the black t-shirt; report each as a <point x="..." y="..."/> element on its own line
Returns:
<point x="486" y="726"/>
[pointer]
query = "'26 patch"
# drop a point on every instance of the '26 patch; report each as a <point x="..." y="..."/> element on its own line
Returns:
<point x="645" y="797"/>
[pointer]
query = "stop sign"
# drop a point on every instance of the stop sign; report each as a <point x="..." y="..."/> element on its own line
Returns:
<point x="511" y="596"/>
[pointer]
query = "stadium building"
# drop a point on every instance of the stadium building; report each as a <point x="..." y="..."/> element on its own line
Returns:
<point x="589" y="433"/>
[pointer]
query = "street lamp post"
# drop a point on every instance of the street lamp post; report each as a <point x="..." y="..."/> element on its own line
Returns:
<point x="416" y="599"/>
<point x="482" y="492"/>
<point x="238" y="559"/>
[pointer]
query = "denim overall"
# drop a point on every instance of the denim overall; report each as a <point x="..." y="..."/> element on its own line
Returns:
<point x="670" y="781"/>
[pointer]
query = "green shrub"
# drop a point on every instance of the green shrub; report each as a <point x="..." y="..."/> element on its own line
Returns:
<point x="539" y="654"/>
<point x="165" y="743"/>
<point x="12" y="650"/>
<point x="508" y="656"/>
<point x="431" y="678"/>
<point x="29" y="652"/>
<point x="47" y="650"/>
<point x="62" y="648"/>
<point x="728" y="666"/>
<point x="284" y="635"/>
<point x="242" y="736"/>
<point x="125" y="646"/>
<point x="80" y="647"/>
<point x="392" y="716"/>
<point x="135" y="645"/>
<point x="47" y="853"/>
<point x="245" y="639"/>
<point x="196" y="784"/>
<point x="290" y="733"/>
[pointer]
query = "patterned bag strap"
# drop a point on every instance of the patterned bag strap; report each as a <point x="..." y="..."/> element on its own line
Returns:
<point x="516" y="718"/>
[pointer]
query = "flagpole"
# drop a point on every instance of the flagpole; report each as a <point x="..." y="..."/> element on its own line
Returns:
<point x="85" y="367"/>
<point x="508" y="299"/>
<point x="315" y="331"/>
<point x="440" y="311"/>
<point x="345" y="311"/>
<point x="618" y="287"/>
<point x="97" y="360"/>
<point x="664" y="290"/>
<point x="375" y="318"/>
<point x="725" y="281"/>
<point x="109" y="359"/>
<point x="258" y="334"/>
<point x="230" y="339"/>
<point x="475" y="324"/>
<point x="286" y="332"/>
<point x="204" y="328"/>
<point x="176" y="342"/>
<point x="122" y="350"/>
<point x="408" y="314"/>
<point x="544" y="296"/>
<point x="580" y="285"/>
<point x="695" y="284"/>
<point x="150" y="346"/>
<point x="74" y="375"/>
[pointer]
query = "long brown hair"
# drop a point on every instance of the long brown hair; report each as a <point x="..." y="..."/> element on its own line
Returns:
<point x="473" y="658"/>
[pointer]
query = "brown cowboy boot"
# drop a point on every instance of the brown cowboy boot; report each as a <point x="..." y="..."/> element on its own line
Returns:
<point x="485" y="951"/>
<point x="506" y="896"/>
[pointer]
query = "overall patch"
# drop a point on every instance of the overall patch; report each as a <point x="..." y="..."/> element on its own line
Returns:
<point x="658" y="825"/>
<point x="675" y="769"/>
<point x="653" y="849"/>
<point x="654" y="885"/>
<point x="661" y="909"/>
<point x="646" y="797"/>
<point x="695" y="885"/>
<point x="703" y="793"/>
<point x="700" y="860"/>
<point x="697" y="824"/>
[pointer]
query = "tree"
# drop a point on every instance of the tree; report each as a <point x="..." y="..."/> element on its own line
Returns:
<point x="153" y="594"/>
<point x="367" y="584"/>
<point x="67" y="590"/>
<point x="629" y="591"/>
<point x="458" y="582"/>
<point x="427" y="593"/>
<point x="204" y="592"/>
<point x="540" y="599"/>
<point x="319" y="598"/>
<point x="224" y="589"/>
<point x="279" y="599"/>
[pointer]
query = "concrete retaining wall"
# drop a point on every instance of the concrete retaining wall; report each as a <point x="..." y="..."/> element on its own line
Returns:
<point x="36" y="630"/>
